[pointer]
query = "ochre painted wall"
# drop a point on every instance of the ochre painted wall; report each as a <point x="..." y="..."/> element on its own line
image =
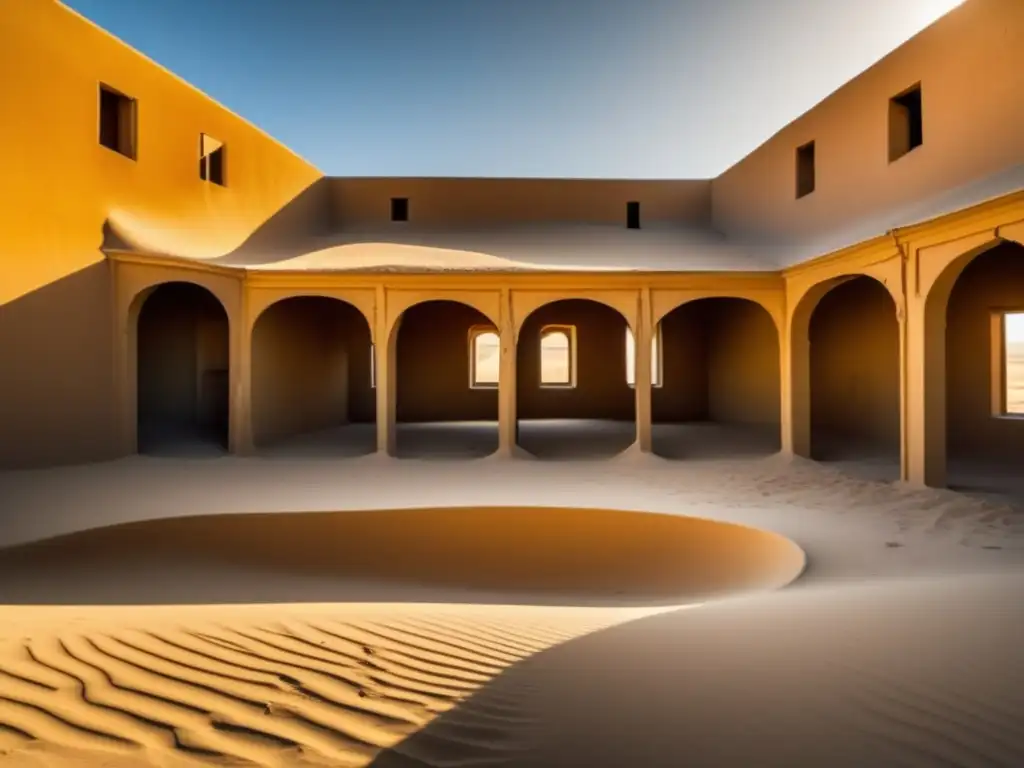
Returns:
<point x="743" y="364"/>
<point x="60" y="185"/>
<point x="993" y="281"/>
<point x="306" y="352"/>
<point x="529" y="201"/>
<point x="433" y="365"/>
<point x="601" y="391"/>
<point x="855" y="364"/>
<point x="970" y="64"/>
<point x="213" y="356"/>
<point x="683" y="395"/>
<point x="720" y="361"/>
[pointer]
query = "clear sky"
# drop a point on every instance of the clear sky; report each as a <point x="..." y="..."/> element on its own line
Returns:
<point x="571" y="88"/>
<point x="1015" y="328"/>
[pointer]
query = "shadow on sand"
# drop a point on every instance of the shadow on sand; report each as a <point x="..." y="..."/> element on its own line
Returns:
<point x="505" y="555"/>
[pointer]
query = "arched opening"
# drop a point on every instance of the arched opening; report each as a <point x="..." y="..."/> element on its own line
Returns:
<point x="984" y="374"/>
<point x="447" y="358"/>
<point x="717" y="389"/>
<point x="182" y="369"/>
<point x="312" y="379"/>
<point x="855" y="379"/>
<point x="572" y="398"/>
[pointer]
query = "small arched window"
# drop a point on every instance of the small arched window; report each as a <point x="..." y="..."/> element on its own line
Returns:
<point x="557" y="357"/>
<point x="484" y="358"/>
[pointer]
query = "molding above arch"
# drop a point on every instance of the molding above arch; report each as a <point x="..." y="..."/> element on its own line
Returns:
<point x="526" y="302"/>
<point x="666" y="301"/>
<point x="135" y="282"/>
<point x="805" y="295"/>
<point x="398" y="301"/>
<point x="261" y="299"/>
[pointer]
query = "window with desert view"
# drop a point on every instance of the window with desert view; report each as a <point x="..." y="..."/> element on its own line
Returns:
<point x="1013" y="330"/>
<point x="486" y="359"/>
<point x="556" y="357"/>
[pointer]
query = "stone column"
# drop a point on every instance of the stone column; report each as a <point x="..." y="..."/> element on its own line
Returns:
<point x="642" y="347"/>
<point x="924" y="440"/>
<point x="125" y="329"/>
<point x="795" y="387"/>
<point x="240" y="378"/>
<point x="508" y="422"/>
<point x="384" y="359"/>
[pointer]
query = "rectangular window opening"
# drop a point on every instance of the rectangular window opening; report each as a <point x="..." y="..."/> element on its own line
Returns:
<point x="1012" y="364"/>
<point x="805" y="171"/>
<point x="117" y="121"/>
<point x="399" y="209"/>
<point x="484" y="358"/>
<point x="633" y="215"/>
<point x="211" y="159"/>
<point x="906" y="123"/>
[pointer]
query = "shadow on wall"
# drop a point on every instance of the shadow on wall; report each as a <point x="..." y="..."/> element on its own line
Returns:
<point x="855" y="372"/>
<point x="310" y="368"/>
<point x="599" y="389"/>
<point x="183" y="362"/>
<point x="57" y="382"/>
<point x="720" y="363"/>
<point x="288" y="232"/>
<point x="433" y="365"/>
<point x="991" y="284"/>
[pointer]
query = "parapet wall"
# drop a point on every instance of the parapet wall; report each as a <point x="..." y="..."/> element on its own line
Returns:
<point x="970" y="66"/>
<point x="451" y="201"/>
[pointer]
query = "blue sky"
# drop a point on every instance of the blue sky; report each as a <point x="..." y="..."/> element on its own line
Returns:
<point x="570" y="88"/>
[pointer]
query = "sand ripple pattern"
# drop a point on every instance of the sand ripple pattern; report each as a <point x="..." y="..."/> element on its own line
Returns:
<point x="290" y="693"/>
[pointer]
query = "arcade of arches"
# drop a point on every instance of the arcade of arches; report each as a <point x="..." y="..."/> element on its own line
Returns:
<point x="926" y="386"/>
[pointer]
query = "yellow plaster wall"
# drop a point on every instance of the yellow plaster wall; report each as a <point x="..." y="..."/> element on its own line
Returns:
<point x="743" y="367"/>
<point x="601" y="391"/>
<point x="855" y="363"/>
<point x="433" y="365"/>
<point x="528" y="201"/>
<point x="683" y="395"/>
<point x="720" y="362"/>
<point x="970" y="64"/>
<point x="59" y="186"/>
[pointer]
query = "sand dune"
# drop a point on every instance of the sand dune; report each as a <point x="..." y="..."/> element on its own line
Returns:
<point x="521" y="555"/>
<point x="393" y="642"/>
<point x="289" y="692"/>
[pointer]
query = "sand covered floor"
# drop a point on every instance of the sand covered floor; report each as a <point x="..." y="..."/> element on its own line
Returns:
<point x="330" y="635"/>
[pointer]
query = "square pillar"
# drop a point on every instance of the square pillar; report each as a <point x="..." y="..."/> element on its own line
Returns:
<point x="240" y="436"/>
<point x="924" y="374"/>
<point x="126" y="364"/>
<point x="384" y="361"/>
<point x="643" y="342"/>
<point x="795" y="389"/>
<point x="508" y="421"/>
